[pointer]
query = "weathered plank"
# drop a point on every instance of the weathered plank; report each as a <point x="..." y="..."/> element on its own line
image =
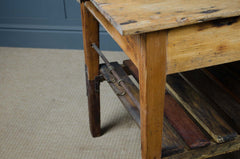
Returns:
<point x="127" y="43"/>
<point x="210" y="151"/>
<point x="225" y="78"/>
<point x="203" y="45"/>
<point x="200" y="109"/>
<point x="218" y="95"/>
<point x="171" y="143"/>
<point x="133" y="17"/>
<point x="188" y="130"/>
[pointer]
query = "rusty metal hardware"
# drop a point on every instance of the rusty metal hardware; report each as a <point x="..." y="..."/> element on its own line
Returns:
<point x="115" y="75"/>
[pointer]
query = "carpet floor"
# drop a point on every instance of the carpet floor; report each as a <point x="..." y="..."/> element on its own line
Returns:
<point x="44" y="114"/>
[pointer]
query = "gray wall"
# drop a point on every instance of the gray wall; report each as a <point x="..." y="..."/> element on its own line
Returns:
<point x="45" y="24"/>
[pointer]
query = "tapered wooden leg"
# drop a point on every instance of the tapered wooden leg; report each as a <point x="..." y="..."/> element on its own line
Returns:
<point x="152" y="73"/>
<point x="91" y="35"/>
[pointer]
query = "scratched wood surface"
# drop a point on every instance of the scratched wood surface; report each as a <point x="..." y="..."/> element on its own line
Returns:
<point x="211" y="151"/>
<point x="203" y="45"/>
<point x="127" y="43"/>
<point x="187" y="129"/>
<point x="138" y="16"/>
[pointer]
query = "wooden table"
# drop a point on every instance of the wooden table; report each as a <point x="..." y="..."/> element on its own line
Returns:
<point x="161" y="37"/>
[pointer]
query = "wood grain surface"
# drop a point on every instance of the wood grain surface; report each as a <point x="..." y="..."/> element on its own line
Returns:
<point x="152" y="78"/>
<point x="188" y="47"/>
<point x="210" y="151"/>
<point x="203" y="45"/>
<point x="187" y="129"/>
<point x="217" y="94"/>
<point x="91" y="35"/>
<point x="200" y="109"/>
<point x="171" y="142"/>
<point x="127" y="43"/>
<point x="139" y="16"/>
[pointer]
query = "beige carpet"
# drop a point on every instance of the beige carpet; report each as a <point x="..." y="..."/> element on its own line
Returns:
<point x="44" y="114"/>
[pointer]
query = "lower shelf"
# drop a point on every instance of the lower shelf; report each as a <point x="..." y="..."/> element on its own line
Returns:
<point x="201" y="111"/>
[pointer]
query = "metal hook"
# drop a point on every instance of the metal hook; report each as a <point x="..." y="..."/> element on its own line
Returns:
<point x="122" y="93"/>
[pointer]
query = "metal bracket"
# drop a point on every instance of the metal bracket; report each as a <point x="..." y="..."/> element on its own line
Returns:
<point x="98" y="80"/>
<point x="114" y="74"/>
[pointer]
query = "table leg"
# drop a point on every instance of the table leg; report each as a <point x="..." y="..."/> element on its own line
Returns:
<point x="90" y="28"/>
<point x="152" y="66"/>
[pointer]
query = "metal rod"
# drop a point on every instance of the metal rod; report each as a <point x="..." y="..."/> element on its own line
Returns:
<point x="114" y="73"/>
<point x="101" y="55"/>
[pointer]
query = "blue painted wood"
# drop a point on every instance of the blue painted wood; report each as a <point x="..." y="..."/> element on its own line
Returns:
<point x="45" y="24"/>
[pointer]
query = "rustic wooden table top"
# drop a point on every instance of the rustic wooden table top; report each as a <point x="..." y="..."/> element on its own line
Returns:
<point x="139" y="16"/>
